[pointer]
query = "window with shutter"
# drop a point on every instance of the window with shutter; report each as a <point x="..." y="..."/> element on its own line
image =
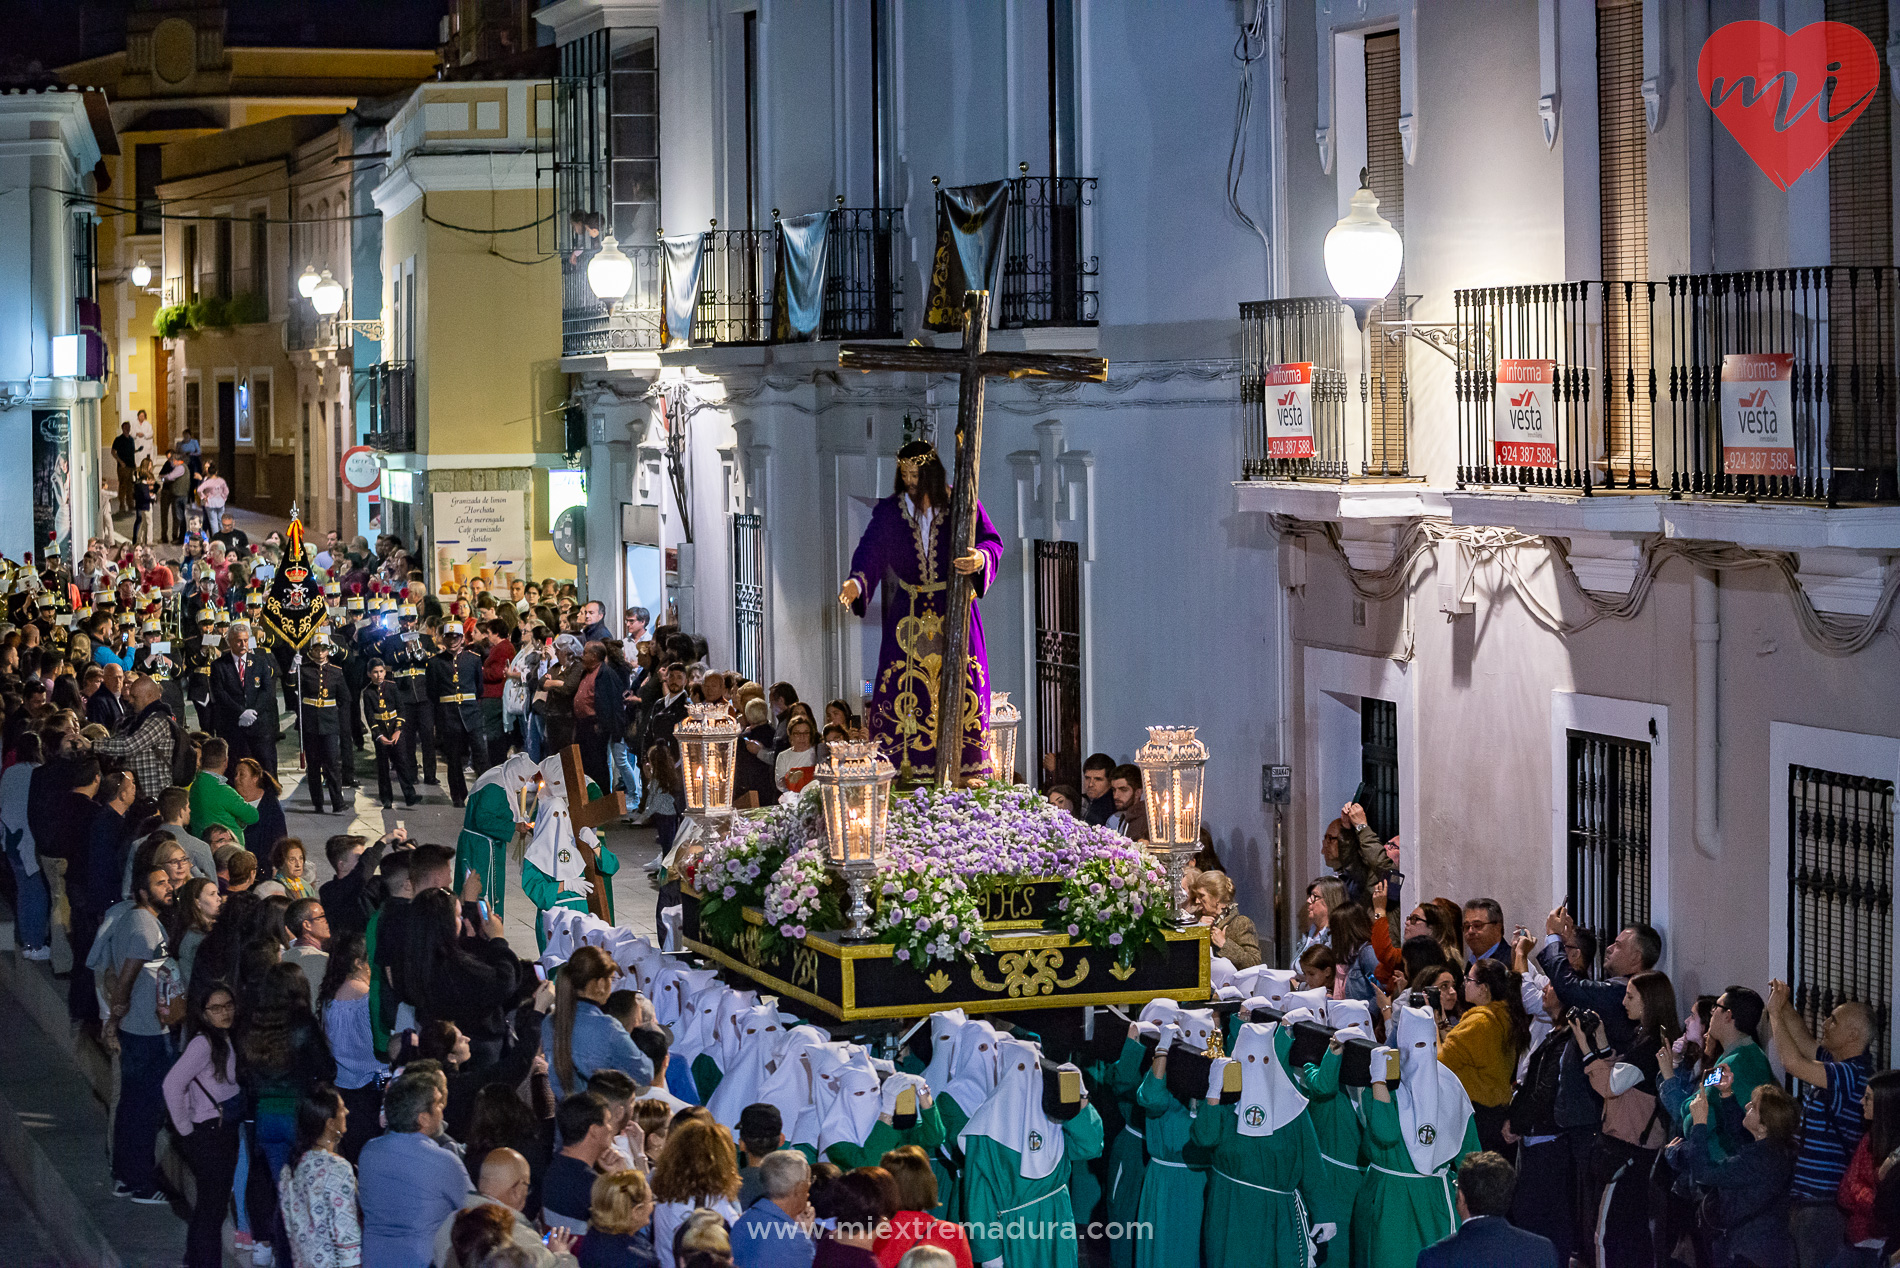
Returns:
<point x="1385" y="172"/>
<point x="1623" y="194"/>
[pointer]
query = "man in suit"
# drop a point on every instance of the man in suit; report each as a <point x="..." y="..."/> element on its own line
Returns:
<point x="244" y="698"/>
<point x="1485" y="1238"/>
<point x="455" y="688"/>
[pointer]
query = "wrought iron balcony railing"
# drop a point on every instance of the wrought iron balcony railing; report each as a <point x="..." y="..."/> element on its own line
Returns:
<point x="1512" y="339"/>
<point x="387" y="391"/>
<point x="591" y="325"/>
<point x="1637" y="374"/>
<point x="1835" y="325"/>
<point x="1049" y="277"/>
<point x="1278" y="337"/>
<point x="735" y="287"/>
<point x="864" y="275"/>
<point x="305" y="329"/>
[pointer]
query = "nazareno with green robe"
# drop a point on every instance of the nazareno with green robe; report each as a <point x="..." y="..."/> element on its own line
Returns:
<point x="1173" y="1193"/>
<point x="500" y="801"/>
<point x="1414" y="1138"/>
<point x="1016" y="1168"/>
<point x="1264" y="1154"/>
<point x="553" y="873"/>
<point x="976" y="1065"/>
<point x="1336" y="1124"/>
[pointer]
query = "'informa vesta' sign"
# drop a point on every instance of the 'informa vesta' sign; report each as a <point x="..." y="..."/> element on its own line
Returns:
<point x="1523" y="424"/>
<point x="1290" y="410"/>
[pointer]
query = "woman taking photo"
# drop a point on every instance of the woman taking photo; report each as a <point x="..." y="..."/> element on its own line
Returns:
<point x="697" y="1169"/>
<point x="1482" y="1049"/>
<point x="1747" y="1211"/>
<point x="206" y="1105"/>
<point x="317" y="1188"/>
<point x="472" y="981"/>
<point x="1632" y="1130"/>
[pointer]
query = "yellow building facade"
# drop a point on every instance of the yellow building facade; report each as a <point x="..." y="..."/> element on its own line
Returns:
<point x="472" y="306"/>
<point x="176" y="80"/>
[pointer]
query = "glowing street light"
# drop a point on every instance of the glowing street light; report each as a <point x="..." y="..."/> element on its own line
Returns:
<point x="1363" y="254"/>
<point x="610" y="272"/>
<point x="307" y="281"/>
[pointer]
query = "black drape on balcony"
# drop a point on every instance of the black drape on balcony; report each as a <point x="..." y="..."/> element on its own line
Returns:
<point x="682" y="258"/>
<point x="798" y="304"/>
<point x="970" y="222"/>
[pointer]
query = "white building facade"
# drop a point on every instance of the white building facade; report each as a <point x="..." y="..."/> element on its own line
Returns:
<point x="53" y="364"/>
<point x="1626" y="678"/>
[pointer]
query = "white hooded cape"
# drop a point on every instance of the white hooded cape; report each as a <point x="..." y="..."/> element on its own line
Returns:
<point x="790" y="1084"/>
<point x="514" y="775"/>
<point x="741" y="1084"/>
<point x="1268" y="1098"/>
<point x="943" y="1030"/>
<point x="978" y="1062"/>
<point x="1433" y="1105"/>
<point x="552" y="850"/>
<point x="1013" y="1116"/>
<point x="848" y="1098"/>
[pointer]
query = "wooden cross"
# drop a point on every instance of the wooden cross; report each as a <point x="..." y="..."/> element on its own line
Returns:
<point x="973" y="363"/>
<point x="585" y="813"/>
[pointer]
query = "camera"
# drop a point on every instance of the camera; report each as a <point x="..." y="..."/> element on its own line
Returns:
<point x="1422" y="999"/>
<point x="1588" y="1020"/>
<point x="1714" y="1080"/>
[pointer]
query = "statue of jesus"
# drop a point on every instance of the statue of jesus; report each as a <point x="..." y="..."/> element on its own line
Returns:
<point x="908" y="540"/>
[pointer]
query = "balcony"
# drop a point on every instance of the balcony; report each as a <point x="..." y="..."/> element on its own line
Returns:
<point x="591" y="326"/>
<point x="1049" y="279"/>
<point x="306" y="330"/>
<point x="737" y="306"/>
<point x="387" y="396"/>
<point x="1376" y="445"/>
<point x="1618" y="349"/>
<point x="1837" y="325"/>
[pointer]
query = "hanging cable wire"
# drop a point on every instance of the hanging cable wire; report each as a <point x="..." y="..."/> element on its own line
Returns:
<point x="1250" y="47"/>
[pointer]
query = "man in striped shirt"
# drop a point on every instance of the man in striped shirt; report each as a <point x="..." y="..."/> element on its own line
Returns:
<point x="1832" y="1073"/>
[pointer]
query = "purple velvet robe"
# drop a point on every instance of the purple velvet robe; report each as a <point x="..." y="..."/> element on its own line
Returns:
<point x="903" y="712"/>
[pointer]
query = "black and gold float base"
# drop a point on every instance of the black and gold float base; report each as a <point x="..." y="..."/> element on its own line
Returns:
<point x="1025" y="968"/>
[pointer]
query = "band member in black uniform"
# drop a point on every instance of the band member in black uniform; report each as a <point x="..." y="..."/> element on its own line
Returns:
<point x="201" y="650"/>
<point x="323" y="694"/>
<point x="388" y="734"/>
<point x="409" y="661"/>
<point x="154" y="659"/>
<point x="455" y="685"/>
<point x="343" y="655"/>
<point x="244" y="698"/>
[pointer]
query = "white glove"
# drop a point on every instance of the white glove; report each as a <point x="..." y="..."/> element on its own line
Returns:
<point x="580" y="885"/>
<point x="247" y="717"/>
<point x="1215" y="1077"/>
<point x="1169" y="1033"/>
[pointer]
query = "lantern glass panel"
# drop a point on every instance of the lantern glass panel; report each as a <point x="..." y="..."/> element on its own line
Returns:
<point x="1174" y="766"/>
<point x="855" y="783"/>
<point x="1005" y="720"/>
<point x="709" y="741"/>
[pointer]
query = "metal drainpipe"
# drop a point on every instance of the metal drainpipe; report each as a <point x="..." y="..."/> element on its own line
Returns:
<point x="1705" y="606"/>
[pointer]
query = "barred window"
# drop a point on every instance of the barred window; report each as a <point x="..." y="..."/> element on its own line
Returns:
<point x="1608" y="838"/>
<point x="1840" y="896"/>
<point x="1379" y="765"/>
<point x="1058" y="664"/>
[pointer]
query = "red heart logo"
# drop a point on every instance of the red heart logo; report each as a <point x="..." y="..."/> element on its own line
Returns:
<point x="1787" y="98"/>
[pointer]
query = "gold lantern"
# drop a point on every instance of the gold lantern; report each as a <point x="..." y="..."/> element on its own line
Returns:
<point x="709" y="744"/>
<point x="1005" y="720"/>
<point x="854" y="782"/>
<point x="1173" y="772"/>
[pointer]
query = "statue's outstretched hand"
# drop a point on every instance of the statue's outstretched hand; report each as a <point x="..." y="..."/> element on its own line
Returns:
<point x="848" y="592"/>
<point x="970" y="562"/>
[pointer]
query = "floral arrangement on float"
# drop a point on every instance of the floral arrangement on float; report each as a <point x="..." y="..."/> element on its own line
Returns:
<point x="948" y="856"/>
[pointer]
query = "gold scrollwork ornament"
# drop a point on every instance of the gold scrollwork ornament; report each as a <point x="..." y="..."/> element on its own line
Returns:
<point x="1030" y="973"/>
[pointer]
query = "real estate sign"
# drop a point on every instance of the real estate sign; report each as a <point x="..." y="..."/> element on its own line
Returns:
<point x="1523" y="422"/>
<point x="1290" y="410"/>
<point x="1758" y="413"/>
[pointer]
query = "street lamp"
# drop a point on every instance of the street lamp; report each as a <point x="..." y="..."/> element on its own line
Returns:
<point x="141" y="274"/>
<point x="1005" y="718"/>
<point x="610" y="272"/>
<point x="327" y="295"/>
<point x="854" y="783"/>
<point x="709" y="742"/>
<point x="1363" y="254"/>
<point x="307" y="281"/>
<point x="1173" y="769"/>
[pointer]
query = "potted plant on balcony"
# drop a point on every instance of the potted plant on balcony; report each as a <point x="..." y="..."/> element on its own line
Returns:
<point x="171" y="322"/>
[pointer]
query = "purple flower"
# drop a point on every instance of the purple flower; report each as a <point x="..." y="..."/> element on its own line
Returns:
<point x="903" y="953"/>
<point x="798" y="931"/>
<point x="1075" y="930"/>
<point x="1114" y="939"/>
